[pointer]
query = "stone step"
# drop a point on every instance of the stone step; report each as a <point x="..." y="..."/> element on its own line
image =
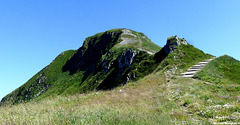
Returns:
<point x="190" y="70"/>
<point x="202" y="63"/>
<point x="188" y="76"/>
<point x="189" y="73"/>
<point x="197" y="65"/>
<point x="194" y="69"/>
<point x="211" y="59"/>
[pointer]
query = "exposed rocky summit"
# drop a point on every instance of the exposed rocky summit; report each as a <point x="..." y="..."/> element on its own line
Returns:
<point x="173" y="43"/>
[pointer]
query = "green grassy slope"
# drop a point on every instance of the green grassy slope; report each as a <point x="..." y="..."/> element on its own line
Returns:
<point x="222" y="70"/>
<point x="182" y="59"/>
<point x="47" y="78"/>
<point x="147" y="43"/>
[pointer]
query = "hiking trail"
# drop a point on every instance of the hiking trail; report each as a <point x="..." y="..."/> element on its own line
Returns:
<point x="194" y="69"/>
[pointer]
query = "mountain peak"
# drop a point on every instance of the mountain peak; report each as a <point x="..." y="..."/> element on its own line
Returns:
<point x="176" y="40"/>
<point x="124" y="38"/>
<point x="128" y="37"/>
<point x="173" y="42"/>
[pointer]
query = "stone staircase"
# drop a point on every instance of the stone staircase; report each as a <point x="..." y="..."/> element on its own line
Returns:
<point x="193" y="70"/>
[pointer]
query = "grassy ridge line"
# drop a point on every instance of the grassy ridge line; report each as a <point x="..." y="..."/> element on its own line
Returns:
<point x="182" y="58"/>
<point x="51" y="75"/>
<point x="147" y="43"/>
<point x="222" y="70"/>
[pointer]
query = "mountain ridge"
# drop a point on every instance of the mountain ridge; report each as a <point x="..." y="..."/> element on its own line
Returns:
<point x="105" y="60"/>
<point x="143" y="85"/>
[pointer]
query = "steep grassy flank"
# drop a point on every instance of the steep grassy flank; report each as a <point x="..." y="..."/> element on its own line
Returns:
<point x="47" y="78"/>
<point x="224" y="69"/>
<point x="182" y="59"/>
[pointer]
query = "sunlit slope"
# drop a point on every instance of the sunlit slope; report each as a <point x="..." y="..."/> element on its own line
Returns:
<point x="222" y="70"/>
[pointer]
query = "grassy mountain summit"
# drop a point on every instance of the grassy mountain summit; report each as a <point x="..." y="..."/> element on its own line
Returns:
<point x="104" y="61"/>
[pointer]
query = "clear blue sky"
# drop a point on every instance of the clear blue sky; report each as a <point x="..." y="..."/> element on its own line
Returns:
<point x="34" y="32"/>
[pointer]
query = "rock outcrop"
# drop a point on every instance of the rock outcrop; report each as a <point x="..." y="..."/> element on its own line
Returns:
<point x="172" y="44"/>
<point x="90" y="54"/>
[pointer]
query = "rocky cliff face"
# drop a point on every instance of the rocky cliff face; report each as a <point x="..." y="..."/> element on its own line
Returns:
<point x="172" y="44"/>
<point x="112" y="54"/>
<point x="90" y="54"/>
<point x="119" y="69"/>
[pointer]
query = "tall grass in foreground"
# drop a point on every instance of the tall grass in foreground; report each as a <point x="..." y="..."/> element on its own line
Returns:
<point x="151" y="100"/>
<point x="85" y="115"/>
<point x="128" y="105"/>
